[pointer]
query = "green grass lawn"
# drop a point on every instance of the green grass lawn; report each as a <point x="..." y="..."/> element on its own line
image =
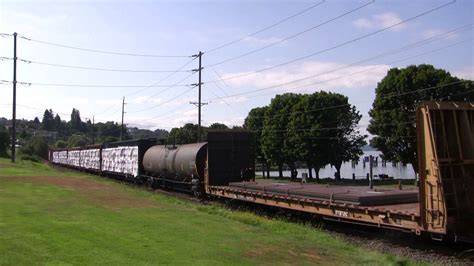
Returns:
<point x="56" y="216"/>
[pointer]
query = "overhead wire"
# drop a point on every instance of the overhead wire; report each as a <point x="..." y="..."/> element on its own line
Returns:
<point x="266" y="28"/>
<point x="155" y="83"/>
<point x="97" y="85"/>
<point x="101" y="69"/>
<point x="381" y="55"/>
<point x="382" y="97"/>
<point x="291" y="36"/>
<point x="371" y="68"/>
<point x="100" y="51"/>
<point x="339" y="45"/>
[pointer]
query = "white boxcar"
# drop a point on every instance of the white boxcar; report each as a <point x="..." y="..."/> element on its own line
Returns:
<point x="90" y="159"/>
<point x="123" y="160"/>
<point x="59" y="157"/>
<point x="74" y="158"/>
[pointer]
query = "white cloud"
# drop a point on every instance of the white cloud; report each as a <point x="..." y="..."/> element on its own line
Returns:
<point x="379" y="21"/>
<point x="326" y="75"/>
<point x="435" y="32"/>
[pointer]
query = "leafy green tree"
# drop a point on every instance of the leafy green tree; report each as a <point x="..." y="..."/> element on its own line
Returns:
<point x="186" y="134"/>
<point x="396" y="99"/>
<point x="108" y="139"/>
<point x="339" y="130"/>
<point x="254" y="121"/>
<point x="218" y="126"/>
<point x="274" y="135"/>
<point x="35" y="149"/>
<point x="304" y="134"/>
<point x="77" y="141"/>
<point x="4" y="141"/>
<point x="60" y="144"/>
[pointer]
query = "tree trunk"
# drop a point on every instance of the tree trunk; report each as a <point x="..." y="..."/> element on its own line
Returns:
<point x="267" y="165"/>
<point x="280" y="170"/>
<point x="316" y="170"/>
<point x="263" y="170"/>
<point x="310" y="171"/>
<point x="337" y="176"/>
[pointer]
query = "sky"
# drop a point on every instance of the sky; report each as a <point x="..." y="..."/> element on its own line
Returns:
<point x="334" y="45"/>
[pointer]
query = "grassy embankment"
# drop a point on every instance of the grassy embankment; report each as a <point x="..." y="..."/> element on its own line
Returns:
<point x="57" y="216"/>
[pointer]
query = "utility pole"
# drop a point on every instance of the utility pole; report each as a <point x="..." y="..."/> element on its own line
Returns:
<point x="93" y="131"/>
<point x="199" y="103"/>
<point x="14" y="99"/>
<point x="123" y="112"/>
<point x="371" y="172"/>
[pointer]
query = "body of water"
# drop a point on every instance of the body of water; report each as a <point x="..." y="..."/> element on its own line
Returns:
<point x="398" y="172"/>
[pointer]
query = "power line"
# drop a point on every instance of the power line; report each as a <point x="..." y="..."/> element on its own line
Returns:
<point x="165" y="78"/>
<point x="266" y="28"/>
<point x="155" y="83"/>
<point x="291" y="36"/>
<point x="169" y="100"/>
<point x="374" y="67"/>
<point x="163" y="91"/>
<point x="100" y="51"/>
<point x="384" y="54"/>
<point x="101" y="69"/>
<point x="96" y="85"/>
<point x="41" y="109"/>
<point x="339" y="45"/>
<point x="383" y="97"/>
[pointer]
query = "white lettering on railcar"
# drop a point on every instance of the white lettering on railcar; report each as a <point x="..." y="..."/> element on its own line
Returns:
<point x="341" y="213"/>
<point x="241" y="197"/>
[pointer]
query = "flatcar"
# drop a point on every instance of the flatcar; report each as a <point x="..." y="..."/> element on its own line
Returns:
<point x="224" y="166"/>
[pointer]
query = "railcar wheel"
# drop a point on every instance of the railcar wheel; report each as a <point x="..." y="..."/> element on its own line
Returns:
<point x="151" y="182"/>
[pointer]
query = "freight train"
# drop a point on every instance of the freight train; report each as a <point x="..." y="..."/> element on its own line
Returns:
<point x="227" y="156"/>
<point x="224" y="167"/>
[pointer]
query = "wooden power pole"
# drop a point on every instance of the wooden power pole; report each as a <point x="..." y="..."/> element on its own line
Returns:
<point x="14" y="100"/>
<point x="199" y="104"/>
<point x="123" y="112"/>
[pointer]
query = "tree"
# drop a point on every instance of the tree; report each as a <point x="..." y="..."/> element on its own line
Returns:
<point x="342" y="139"/>
<point x="48" y="120"/>
<point x="186" y="134"/>
<point x="75" y="122"/>
<point x="304" y="133"/>
<point x="4" y="141"/>
<point x="254" y="122"/>
<point x="396" y="99"/>
<point x="57" y="123"/>
<point x="274" y="135"/>
<point x="77" y="141"/>
<point x="60" y="144"/>
<point x="218" y="126"/>
<point x="35" y="149"/>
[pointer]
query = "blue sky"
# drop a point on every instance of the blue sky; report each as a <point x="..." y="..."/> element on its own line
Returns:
<point x="187" y="27"/>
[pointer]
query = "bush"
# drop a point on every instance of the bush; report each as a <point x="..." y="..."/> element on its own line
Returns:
<point x="35" y="149"/>
<point x="77" y="141"/>
<point x="27" y="157"/>
<point x="60" y="144"/>
<point x="4" y="142"/>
